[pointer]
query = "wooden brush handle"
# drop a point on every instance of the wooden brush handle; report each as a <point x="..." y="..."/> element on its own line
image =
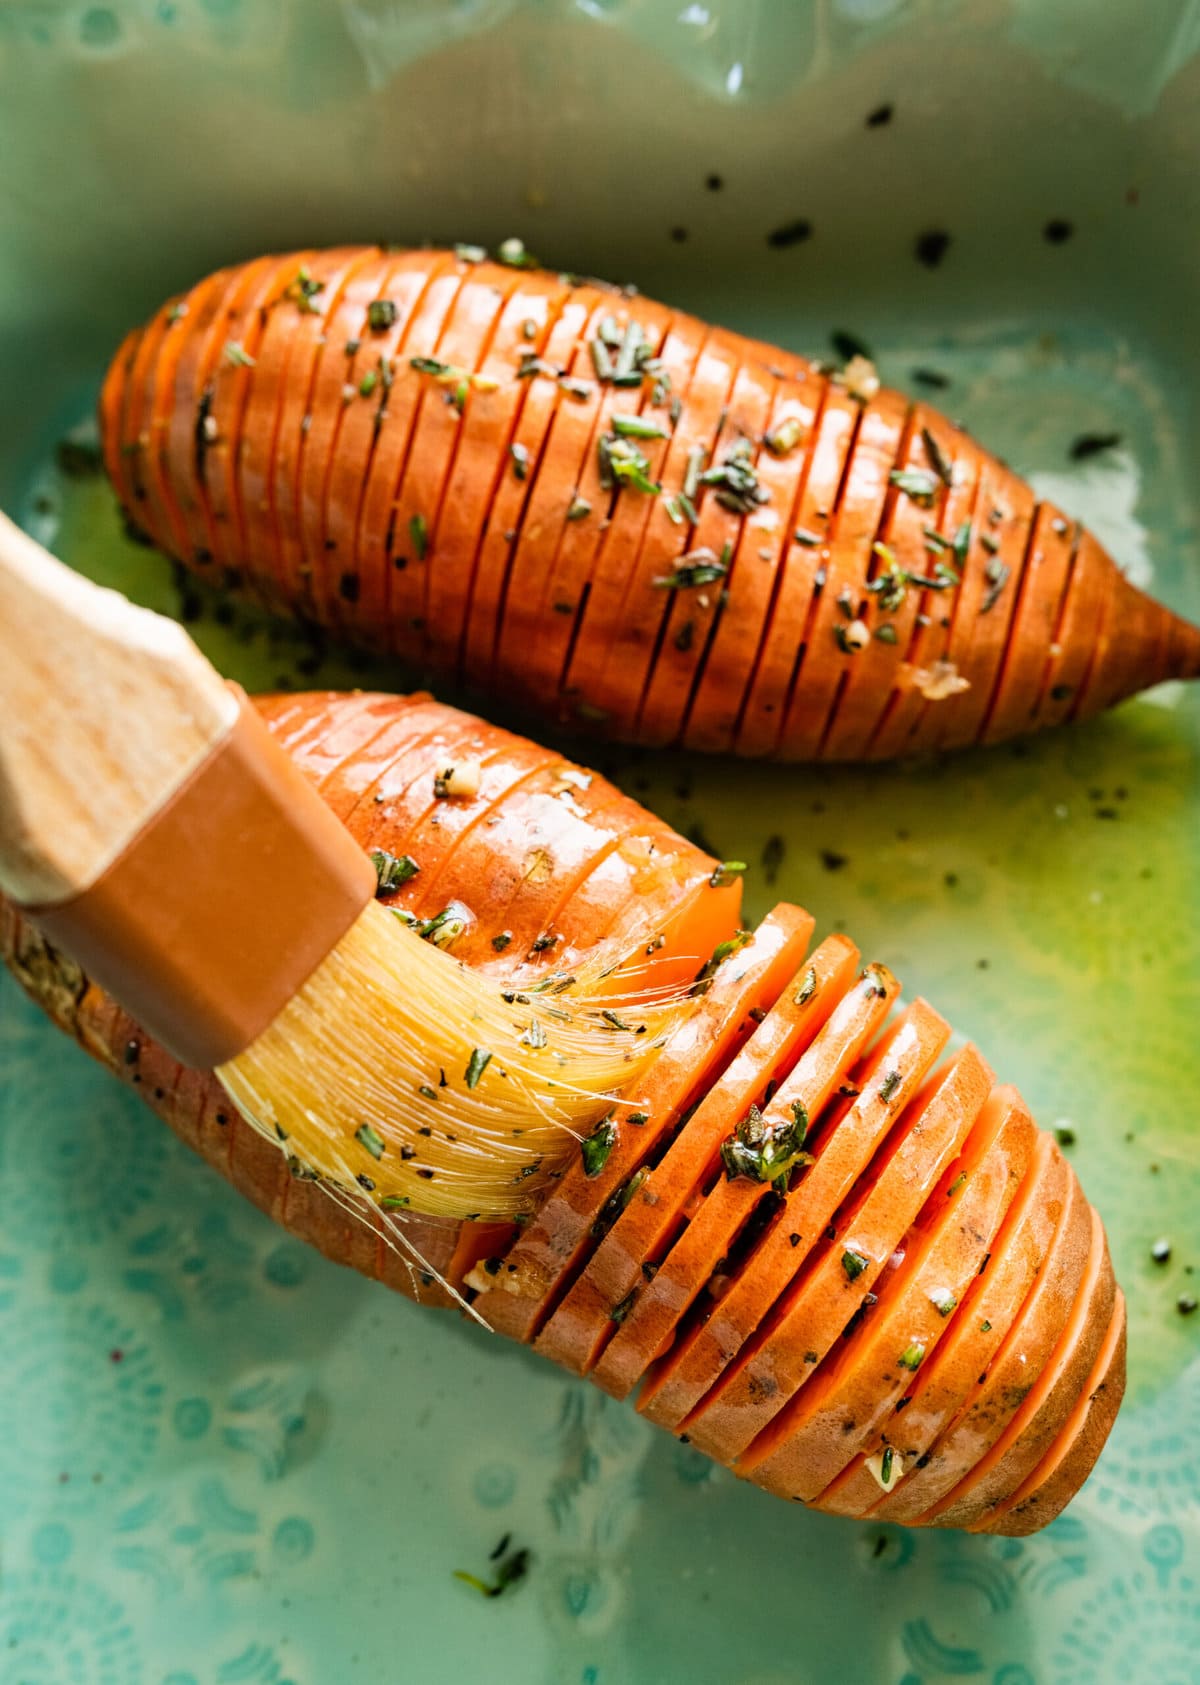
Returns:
<point x="105" y="711"/>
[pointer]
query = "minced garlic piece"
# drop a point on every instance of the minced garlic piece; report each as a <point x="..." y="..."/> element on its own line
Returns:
<point x="895" y="1467"/>
<point x="461" y="779"/>
<point x="860" y="379"/>
<point x="938" y="682"/>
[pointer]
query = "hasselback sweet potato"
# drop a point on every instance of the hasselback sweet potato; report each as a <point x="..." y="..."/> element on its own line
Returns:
<point x="606" y="509"/>
<point x="849" y="1268"/>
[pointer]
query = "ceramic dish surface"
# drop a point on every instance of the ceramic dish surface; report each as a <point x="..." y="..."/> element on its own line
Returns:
<point x="224" y="1461"/>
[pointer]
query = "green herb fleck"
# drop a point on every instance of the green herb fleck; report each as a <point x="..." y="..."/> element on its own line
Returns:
<point x="942" y="1300"/>
<point x="889" y="1085"/>
<point x="910" y="1357"/>
<point x="382" y="314"/>
<point x="418" y="532"/>
<point x="886" y="1464"/>
<point x="470" y="254"/>
<point x="958" y="1182"/>
<point x="808" y="987"/>
<point x="732" y="945"/>
<point x="520" y="459"/>
<point x="765" y="1152"/>
<point x="623" y="464"/>
<point x="477" y="1064"/>
<point x="393" y="1202"/>
<point x="238" y="355"/>
<point x="596" y="1147"/>
<point x="735" y="481"/>
<point x="369" y="1138"/>
<point x="886" y="634"/>
<point x="302" y="291"/>
<point x="636" y="427"/>
<point x="502" y="941"/>
<point x="854" y="1263"/>
<point x="997" y="574"/>
<point x="725" y="872"/>
<point x="915" y="483"/>
<point x="579" y="510"/>
<point x="698" y="567"/>
<point x="392" y="870"/>
<point x="937" y="459"/>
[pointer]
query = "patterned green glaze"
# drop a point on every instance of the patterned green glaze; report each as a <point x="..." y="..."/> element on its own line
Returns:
<point x="226" y="1462"/>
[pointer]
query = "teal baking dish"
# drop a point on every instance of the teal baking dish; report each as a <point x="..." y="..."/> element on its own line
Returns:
<point x="224" y="1460"/>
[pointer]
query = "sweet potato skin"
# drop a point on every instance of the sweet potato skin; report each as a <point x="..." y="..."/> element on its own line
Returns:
<point x="410" y="448"/>
<point x="900" y="1146"/>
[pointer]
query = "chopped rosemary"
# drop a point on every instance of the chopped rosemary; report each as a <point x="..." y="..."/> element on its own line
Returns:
<point x="445" y="928"/>
<point x="765" y="1152"/>
<point x="392" y="870"/>
<point x="910" y="1357"/>
<point x="479" y="1061"/>
<point x="303" y="290"/>
<point x="623" y="464"/>
<point x="393" y="1202"/>
<point x="725" y="872"/>
<point x="535" y="1036"/>
<point x="418" y="531"/>
<point x="520" y="459"/>
<point x="616" y="1203"/>
<point x="692" y="471"/>
<point x="698" y="567"/>
<point x="808" y="987"/>
<point x="854" y="1263"/>
<point x="962" y="543"/>
<point x="596" y="1147"/>
<point x="238" y="355"/>
<point x="997" y="575"/>
<point x="915" y="483"/>
<point x="937" y="459"/>
<point x="732" y="945"/>
<point x="889" y="1085"/>
<point x="580" y="509"/>
<point x="531" y="365"/>
<point x="382" y="314"/>
<point x="369" y="1138"/>
<point x="502" y="941"/>
<point x="735" y="482"/>
<point x="601" y="360"/>
<point x="942" y="1300"/>
<point x="636" y="427"/>
<point x="886" y="1464"/>
<point x="810" y="540"/>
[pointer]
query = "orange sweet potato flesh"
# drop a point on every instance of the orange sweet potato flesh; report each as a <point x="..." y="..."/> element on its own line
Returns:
<point x="978" y="1333"/>
<point x="462" y="518"/>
